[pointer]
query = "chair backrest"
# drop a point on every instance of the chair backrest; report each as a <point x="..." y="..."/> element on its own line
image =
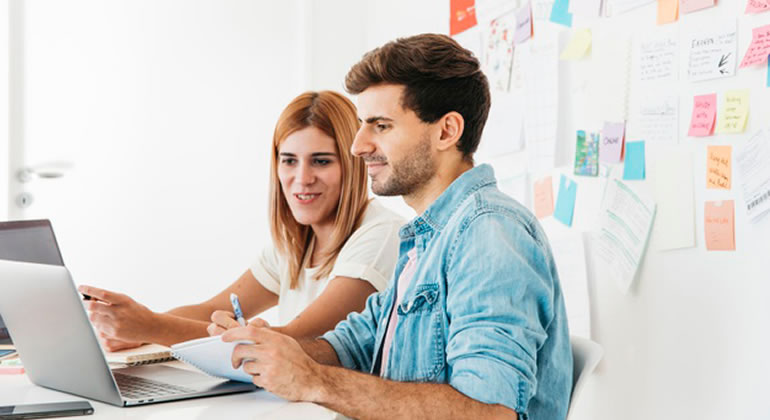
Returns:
<point x="586" y="354"/>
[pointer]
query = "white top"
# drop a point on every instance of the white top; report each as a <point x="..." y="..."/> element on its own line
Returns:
<point x="370" y="254"/>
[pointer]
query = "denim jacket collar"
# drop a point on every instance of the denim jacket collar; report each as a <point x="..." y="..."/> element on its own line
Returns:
<point x="436" y="216"/>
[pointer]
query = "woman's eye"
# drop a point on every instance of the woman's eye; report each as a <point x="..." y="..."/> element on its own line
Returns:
<point x="288" y="161"/>
<point x="322" y="162"/>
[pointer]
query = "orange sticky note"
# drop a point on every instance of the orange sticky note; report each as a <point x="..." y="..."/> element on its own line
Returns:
<point x="543" y="197"/>
<point x="668" y="11"/>
<point x="719" y="167"/>
<point x="719" y="221"/>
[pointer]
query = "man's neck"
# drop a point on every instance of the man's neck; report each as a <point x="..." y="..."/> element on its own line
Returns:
<point x="420" y="200"/>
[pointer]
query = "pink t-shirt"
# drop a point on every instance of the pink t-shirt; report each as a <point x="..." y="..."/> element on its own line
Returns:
<point x="403" y="282"/>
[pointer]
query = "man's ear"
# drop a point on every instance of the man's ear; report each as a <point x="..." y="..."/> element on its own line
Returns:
<point x="451" y="125"/>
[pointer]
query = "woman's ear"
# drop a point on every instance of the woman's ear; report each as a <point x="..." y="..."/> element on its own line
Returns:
<point x="452" y="125"/>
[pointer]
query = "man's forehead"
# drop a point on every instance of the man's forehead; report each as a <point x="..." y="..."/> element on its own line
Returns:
<point x="380" y="101"/>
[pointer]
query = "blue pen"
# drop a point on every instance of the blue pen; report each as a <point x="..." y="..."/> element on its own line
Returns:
<point x="237" y="309"/>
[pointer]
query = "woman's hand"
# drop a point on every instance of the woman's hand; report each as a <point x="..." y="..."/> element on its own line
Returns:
<point x="222" y="321"/>
<point x="120" y="321"/>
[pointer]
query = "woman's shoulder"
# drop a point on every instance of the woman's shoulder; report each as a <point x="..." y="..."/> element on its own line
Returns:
<point x="376" y="214"/>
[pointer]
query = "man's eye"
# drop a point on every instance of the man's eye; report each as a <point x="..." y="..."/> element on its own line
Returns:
<point x="381" y="127"/>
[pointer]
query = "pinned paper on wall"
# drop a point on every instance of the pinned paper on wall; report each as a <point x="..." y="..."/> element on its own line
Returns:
<point x="751" y="164"/>
<point x="565" y="201"/>
<point x="668" y="11"/>
<point x="541" y="70"/>
<point x="658" y="59"/>
<point x="618" y="7"/>
<point x="719" y="221"/>
<point x="543" y="197"/>
<point x="587" y="154"/>
<point x="462" y="15"/>
<point x="689" y="6"/>
<point x="611" y="146"/>
<point x="759" y="48"/>
<point x="610" y="76"/>
<point x="589" y="8"/>
<point x="504" y="131"/>
<point x="634" y="168"/>
<point x="735" y="112"/>
<point x="719" y="167"/>
<point x="524" y="29"/>
<point x="578" y="46"/>
<point x="704" y="113"/>
<point x="570" y="258"/>
<point x="757" y="6"/>
<point x="672" y="182"/>
<point x="498" y="57"/>
<point x="713" y="54"/>
<point x="560" y="13"/>
<point x="657" y="120"/>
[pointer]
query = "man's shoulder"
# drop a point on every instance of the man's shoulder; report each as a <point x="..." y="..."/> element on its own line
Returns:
<point x="491" y="202"/>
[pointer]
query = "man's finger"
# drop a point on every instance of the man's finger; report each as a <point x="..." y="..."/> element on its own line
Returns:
<point x="243" y="352"/>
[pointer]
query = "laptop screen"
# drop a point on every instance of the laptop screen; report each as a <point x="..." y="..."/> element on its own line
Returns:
<point x="28" y="241"/>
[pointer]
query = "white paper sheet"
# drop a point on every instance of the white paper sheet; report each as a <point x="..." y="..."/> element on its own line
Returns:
<point x="655" y="119"/>
<point x="541" y="69"/>
<point x="625" y="222"/>
<point x="503" y="132"/>
<point x="611" y="70"/>
<point x="673" y="186"/>
<point x="713" y="54"/>
<point x="569" y="254"/>
<point x="588" y="8"/>
<point x="617" y="7"/>
<point x="753" y="165"/>
<point x="658" y="59"/>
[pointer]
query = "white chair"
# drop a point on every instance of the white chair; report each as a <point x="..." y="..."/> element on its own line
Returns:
<point x="586" y="354"/>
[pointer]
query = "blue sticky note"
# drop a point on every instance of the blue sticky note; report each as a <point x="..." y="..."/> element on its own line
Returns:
<point x="634" y="168"/>
<point x="565" y="202"/>
<point x="560" y="13"/>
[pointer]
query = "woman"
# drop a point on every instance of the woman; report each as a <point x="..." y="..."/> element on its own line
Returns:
<point x="332" y="247"/>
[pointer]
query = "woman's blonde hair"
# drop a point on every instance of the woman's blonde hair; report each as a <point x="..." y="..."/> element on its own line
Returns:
<point x="335" y="115"/>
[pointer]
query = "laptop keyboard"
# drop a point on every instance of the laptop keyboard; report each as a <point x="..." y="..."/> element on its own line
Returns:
<point x="134" y="387"/>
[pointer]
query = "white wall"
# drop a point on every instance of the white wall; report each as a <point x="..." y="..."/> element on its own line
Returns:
<point x="4" y="130"/>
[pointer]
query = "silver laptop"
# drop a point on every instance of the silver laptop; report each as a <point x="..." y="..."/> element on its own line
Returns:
<point x="45" y="315"/>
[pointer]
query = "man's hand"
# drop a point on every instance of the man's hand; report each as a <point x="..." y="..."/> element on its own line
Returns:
<point x="276" y="362"/>
<point x="120" y="321"/>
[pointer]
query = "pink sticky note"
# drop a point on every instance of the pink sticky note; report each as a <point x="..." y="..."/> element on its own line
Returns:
<point x="668" y="11"/>
<point x="611" y="144"/>
<point x="704" y="114"/>
<point x="719" y="170"/>
<point x="523" y="24"/>
<point x="757" y="6"/>
<point x="543" y="197"/>
<point x="687" y="6"/>
<point x="719" y="222"/>
<point x="759" y="47"/>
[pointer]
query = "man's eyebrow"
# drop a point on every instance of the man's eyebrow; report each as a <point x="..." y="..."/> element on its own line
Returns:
<point x="371" y="120"/>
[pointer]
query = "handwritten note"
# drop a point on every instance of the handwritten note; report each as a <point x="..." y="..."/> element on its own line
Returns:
<point x="719" y="221"/>
<point x="704" y="113"/>
<point x="658" y="59"/>
<point x="560" y="13"/>
<point x="719" y="167"/>
<point x="462" y="15"/>
<point x="523" y="24"/>
<point x="578" y="46"/>
<point x="759" y="47"/>
<point x="634" y="168"/>
<point x="757" y="6"/>
<point x="668" y="11"/>
<point x="735" y="112"/>
<point x="754" y="172"/>
<point x="713" y="54"/>
<point x="688" y="6"/>
<point x="499" y="51"/>
<point x="565" y="201"/>
<point x="656" y="120"/>
<point x="587" y="154"/>
<point x="543" y="197"/>
<point x="611" y="146"/>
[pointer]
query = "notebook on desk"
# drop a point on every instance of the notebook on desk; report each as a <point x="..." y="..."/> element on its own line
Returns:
<point x="212" y="356"/>
<point x="143" y="355"/>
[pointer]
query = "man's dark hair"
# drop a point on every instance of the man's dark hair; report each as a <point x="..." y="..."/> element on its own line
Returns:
<point x="438" y="75"/>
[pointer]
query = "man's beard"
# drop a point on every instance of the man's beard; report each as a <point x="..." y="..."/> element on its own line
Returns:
<point x="410" y="174"/>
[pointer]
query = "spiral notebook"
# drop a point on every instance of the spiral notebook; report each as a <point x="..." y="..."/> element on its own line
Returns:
<point x="212" y="356"/>
<point x="144" y="355"/>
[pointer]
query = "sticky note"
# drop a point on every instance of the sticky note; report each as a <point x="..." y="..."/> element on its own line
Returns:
<point x="768" y="72"/>
<point x="611" y="145"/>
<point x="719" y="221"/>
<point x="735" y="112"/>
<point x="757" y="6"/>
<point x="565" y="202"/>
<point x="704" y="113"/>
<point x="719" y="167"/>
<point x="560" y="13"/>
<point x="759" y="48"/>
<point x="578" y="46"/>
<point x="462" y="15"/>
<point x="587" y="154"/>
<point x="543" y="197"/>
<point x="524" y="29"/>
<point x="688" y="6"/>
<point x="634" y="167"/>
<point x="668" y="11"/>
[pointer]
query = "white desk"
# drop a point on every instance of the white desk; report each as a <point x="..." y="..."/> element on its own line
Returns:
<point x="17" y="389"/>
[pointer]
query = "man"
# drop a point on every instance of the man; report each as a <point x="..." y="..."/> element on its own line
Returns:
<point x="474" y="324"/>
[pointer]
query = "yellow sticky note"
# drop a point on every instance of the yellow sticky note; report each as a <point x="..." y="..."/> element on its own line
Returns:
<point x="734" y="112"/>
<point x="719" y="167"/>
<point x="668" y="11"/>
<point x="578" y="46"/>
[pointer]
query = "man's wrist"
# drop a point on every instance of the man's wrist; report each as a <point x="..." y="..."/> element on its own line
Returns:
<point x="317" y="390"/>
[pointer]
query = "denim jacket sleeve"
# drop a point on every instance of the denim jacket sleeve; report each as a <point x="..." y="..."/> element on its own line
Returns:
<point x="499" y="305"/>
<point x="353" y="339"/>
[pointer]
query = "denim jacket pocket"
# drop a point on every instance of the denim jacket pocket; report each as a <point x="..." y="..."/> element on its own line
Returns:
<point x="420" y="326"/>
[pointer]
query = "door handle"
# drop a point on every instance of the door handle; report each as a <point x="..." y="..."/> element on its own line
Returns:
<point x="46" y="171"/>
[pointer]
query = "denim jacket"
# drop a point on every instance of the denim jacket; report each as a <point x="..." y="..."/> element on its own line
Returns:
<point x="484" y="312"/>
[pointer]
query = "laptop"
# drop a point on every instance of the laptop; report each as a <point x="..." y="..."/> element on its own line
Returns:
<point x="30" y="241"/>
<point x="59" y="350"/>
